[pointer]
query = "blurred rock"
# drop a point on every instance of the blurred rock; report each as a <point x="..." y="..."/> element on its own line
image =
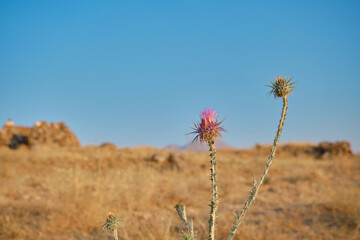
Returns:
<point x="8" y="131"/>
<point x="328" y="149"/>
<point x="18" y="140"/>
<point x="322" y="150"/>
<point x="53" y="134"/>
<point x="42" y="133"/>
<point x="164" y="160"/>
<point x="9" y="122"/>
<point x="107" y="145"/>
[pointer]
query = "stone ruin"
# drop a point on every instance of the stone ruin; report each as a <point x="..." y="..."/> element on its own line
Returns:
<point x="41" y="133"/>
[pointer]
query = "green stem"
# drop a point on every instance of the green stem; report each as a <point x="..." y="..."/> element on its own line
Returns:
<point x="214" y="200"/>
<point x="180" y="209"/>
<point x="239" y="217"/>
<point x="115" y="234"/>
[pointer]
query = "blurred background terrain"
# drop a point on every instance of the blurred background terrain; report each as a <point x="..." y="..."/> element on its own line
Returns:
<point x="58" y="189"/>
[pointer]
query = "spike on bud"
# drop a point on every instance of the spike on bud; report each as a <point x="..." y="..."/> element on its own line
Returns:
<point x="112" y="222"/>
<point x="281" y="87"/>
<point x="209" y="128"/>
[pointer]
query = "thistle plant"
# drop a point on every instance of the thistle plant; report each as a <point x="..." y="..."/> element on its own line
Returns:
<point x="207" y="131"/>
<point x="189" y="226"/>
<point x="111" y="225"/>
<point x="280" y="88"/>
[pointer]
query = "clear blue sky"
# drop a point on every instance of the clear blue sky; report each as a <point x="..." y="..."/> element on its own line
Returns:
<point x="140" y="72"/>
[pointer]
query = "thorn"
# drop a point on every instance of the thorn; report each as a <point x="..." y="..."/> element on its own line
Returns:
<point x="237" y="213"/>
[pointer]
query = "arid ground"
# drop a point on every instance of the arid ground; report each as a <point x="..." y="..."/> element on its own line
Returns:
<point x="49" y="192"/>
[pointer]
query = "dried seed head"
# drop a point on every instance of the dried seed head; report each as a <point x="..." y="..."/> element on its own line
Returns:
<point x="281" y="87"/>
<point x="112" y="222"/>
<point x="209" y="128"/>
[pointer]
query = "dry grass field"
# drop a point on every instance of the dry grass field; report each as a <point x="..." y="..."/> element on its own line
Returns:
<point x="49" y="192"/>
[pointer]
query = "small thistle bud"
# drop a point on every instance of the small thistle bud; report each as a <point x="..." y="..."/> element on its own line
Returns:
<point x="281" y="87"/>
<point x="209" y="128"/>
<point x="186" y="237"/>
<point x="112" y="222"/>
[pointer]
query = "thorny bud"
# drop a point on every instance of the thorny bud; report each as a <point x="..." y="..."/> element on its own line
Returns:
<point x="281" y="87"/>
<point x="112" y="222"/>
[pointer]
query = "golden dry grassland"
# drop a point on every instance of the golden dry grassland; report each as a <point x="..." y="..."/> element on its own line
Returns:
<point x="66" y="192"/>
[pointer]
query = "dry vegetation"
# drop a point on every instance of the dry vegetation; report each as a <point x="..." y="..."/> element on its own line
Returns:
<point x="49" y="192"/>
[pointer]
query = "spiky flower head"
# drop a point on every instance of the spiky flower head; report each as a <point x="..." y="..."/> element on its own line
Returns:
<point x="112" y="222"/>
<point x="281" y="87"/>
<point x="186" y="236"/>
<point x="209" y="128"/>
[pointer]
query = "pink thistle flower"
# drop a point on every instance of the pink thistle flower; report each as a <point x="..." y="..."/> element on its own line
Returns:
<point x="209" y="128"/>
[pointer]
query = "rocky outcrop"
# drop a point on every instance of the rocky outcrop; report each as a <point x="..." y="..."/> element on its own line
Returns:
<point x="328" y="149"/>
<point x="323" y="150"/>
<point x="41" y="133"/>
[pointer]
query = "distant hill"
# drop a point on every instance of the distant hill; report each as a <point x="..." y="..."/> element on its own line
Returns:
<point x="196" y="146"/>
<point x="322" y="150"/>
<point x="173" y="147"/>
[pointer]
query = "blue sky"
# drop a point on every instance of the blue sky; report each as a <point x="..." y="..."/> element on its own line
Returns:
<point x="140" y="72"/>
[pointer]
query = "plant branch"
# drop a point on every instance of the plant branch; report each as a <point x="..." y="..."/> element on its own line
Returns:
<point x="239" y="217"/>
<point x="180" y="209"/>
<point x="214" y="200"/>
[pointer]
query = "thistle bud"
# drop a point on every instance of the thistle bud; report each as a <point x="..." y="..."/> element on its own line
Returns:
<point x="281" y="87"/>
<point x="112" y="222"/>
